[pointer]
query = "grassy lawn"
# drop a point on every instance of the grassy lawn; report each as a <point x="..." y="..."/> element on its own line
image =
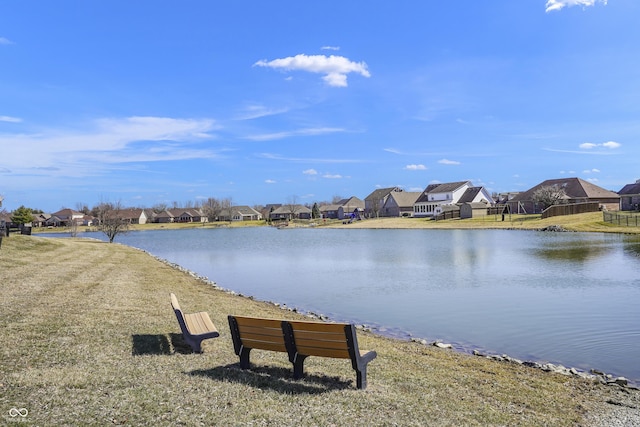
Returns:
<point x="89" y="338"/>
<point x="591" y="221"/>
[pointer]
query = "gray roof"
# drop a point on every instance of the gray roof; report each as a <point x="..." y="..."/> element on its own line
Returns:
<point x="469" y="194"/>
<point x="440" y="188"/>
<point x="575" y="188"/>
<point x="630" y="189"/>
<point x="405" y="198"/>
<point x="381" y="193"/>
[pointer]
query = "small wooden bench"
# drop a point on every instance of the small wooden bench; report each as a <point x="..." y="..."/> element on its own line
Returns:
<point x="195" y="327"/>
<point x="300" y="339"/>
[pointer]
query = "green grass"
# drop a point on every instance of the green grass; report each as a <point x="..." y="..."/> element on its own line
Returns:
<point x="89" y="338"/>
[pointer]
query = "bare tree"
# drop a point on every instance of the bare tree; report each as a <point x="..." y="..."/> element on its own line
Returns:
<point x="74" y="227"/>
<point x="292" y="207"/>
<point x="549" y="195"/>
<point x="110" y="220"/>
<point x="159" y="207"/>
<point x="226" y="205"/>
<point x="212" y="208"/>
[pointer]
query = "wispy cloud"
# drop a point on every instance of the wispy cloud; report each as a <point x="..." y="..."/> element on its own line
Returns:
<point x="269" y="181"/>
<point x="310" y="172"/>
<point x="109" y="141"/>
<point x="332" y="176"/>
<point x="335" y="68"/>
<point x="289" y="134"/>
<point x="272" y="156"/>
<point x="561" y="4"/>
<point x="588" y="171"/>
<point x="10" y="119"/>
<point x="602" y="149"/>
<point x="416" y="167"/>
<point x="5" y="41"/>
<point x="448" y="162"/>
<point x="410" y="153"/>
<point x="257" y="111"/>
<point x="330" y="48"/>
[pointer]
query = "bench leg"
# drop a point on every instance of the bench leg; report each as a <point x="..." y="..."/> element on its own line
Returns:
<point x="244" y="358"/>
<point x="195" y="344"/>
<point x="361" y="378"/>
<point x="298" y="367"/>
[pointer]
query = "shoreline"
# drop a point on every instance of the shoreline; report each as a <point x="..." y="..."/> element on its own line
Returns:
<point x="594" y="373"/>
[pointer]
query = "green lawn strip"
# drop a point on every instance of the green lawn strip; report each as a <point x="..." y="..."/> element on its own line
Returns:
<point x="89" y="338"/>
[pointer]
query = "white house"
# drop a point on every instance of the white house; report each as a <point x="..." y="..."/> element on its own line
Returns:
<point x="435" y="196"/>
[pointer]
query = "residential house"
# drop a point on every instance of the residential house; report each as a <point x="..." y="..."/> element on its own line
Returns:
<point x="374" y="202"/>
<point x="630" y="197"/>
<point x="240" y="213"/>
<point x="133" y="216"/>
<point x="64" y="218"/>
<point x="343" y="208"/>
<point x="164" y="217"/>
<point x="40" y="220"/>
<point x="290" y="212"/>
<point x="400" y="203"/>
<point x="430" y="202"/>
<point x="577" y="190"/>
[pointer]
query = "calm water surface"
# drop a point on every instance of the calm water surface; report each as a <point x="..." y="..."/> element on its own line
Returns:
<point x="569" y="298"/>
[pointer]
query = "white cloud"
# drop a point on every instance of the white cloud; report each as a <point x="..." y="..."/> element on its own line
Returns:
<point x="269" y="181"/>
<point x="5" y="41"/>
<point x="592" y="180"/>
<point x="609" y="144"/>
<point x="594" y="170"/>
<point x="334" y="68"/>
<point x="448" y="162"/>
<point x="310" y="172"/>
<point x="588" y="145"/>
<point x="330" y="48"/>
<point x="416" y="167"/>
<point x="561" y="4"/>
<point x="10" y="119"/>
<point x="330" y="176"/>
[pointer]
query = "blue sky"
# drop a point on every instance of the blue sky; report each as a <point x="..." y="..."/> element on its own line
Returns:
<point x="148" y="102"/>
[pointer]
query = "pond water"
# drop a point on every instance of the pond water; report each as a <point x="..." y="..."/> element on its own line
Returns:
<point x="568" y="298"/>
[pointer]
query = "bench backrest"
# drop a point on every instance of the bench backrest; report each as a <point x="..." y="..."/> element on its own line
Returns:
<point x="320" y="339"/>
<point x="174" y="302"/>
<point x="253" y="332"/>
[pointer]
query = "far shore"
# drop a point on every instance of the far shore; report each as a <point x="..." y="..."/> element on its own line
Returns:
<point x="586" y="222"/>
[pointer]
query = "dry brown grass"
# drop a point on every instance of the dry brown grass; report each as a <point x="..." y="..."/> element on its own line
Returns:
<point x="591" y="221"/>
<point x="89" y="338"/>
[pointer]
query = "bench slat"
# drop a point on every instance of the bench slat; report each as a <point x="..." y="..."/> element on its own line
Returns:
<point x="334" y="345"/>
<point x="319" y="326"/>
<point x="256" y="321"/>
<point x="254" y="330"/>
<point x="323" y="352"/>
<point x="264" y="345"/>
<point x="319" y="336"/>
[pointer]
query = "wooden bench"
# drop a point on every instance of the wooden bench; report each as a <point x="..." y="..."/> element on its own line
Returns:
<point x="300" y="339"/>
<point x="195" y="327"/>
